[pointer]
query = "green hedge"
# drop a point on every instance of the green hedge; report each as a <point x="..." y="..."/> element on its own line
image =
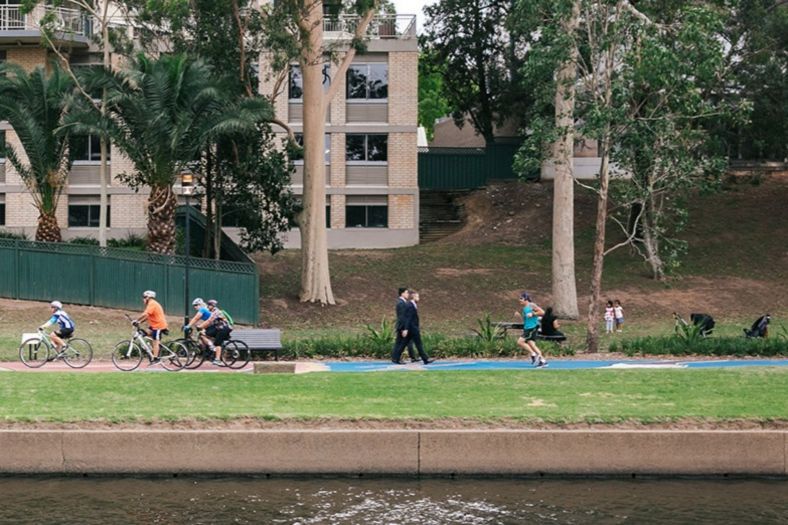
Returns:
<point x="718" y="346"/>
<point x="438" y="346"/>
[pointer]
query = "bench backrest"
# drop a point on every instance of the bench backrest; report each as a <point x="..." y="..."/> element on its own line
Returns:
<point x="269" y="339"/>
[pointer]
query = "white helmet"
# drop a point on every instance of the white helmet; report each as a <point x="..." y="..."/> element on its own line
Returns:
<point x="56" y="304"/>
<point x="149" y="293"/>
<point x="198" y="302"/>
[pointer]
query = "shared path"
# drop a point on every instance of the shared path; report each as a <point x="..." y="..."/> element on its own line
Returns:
<point x="441" y="365"/>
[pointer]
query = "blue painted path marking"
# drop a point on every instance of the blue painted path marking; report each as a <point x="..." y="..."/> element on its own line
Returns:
<point x="555" y="364"/>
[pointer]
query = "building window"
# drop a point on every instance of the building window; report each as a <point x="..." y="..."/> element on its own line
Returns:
<point x="368" y="82"/>
<point x="299" y="159"/>
<point x="86" y="148"/>
<point x="366" y="211"/>
<point x="3" y="144"/>
<point x="83" y="212"/>
<point x="366" y="148"/>
<point x="295" y="85"/>
<point x="2" y="209"/>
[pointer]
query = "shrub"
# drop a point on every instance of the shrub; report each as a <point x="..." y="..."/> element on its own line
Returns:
<point x="11" y="235"/>
<point x="130" y="241"/>
<point x="374" y="345"/>
<point x="488" y="331"/>
<point x="90" y="241"/>
<point x="711" y="346"/>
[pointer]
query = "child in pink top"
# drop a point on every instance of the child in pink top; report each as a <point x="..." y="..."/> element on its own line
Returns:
<point x="610" y="317"/>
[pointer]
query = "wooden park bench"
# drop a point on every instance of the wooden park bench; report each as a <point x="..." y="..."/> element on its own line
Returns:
<point x="260" y="339"/>
<point x="506" y="326"/>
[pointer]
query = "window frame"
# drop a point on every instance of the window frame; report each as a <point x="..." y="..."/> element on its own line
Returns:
<point x="366" y="99"/>
<point x="299" y="138"/>
<point x="90" y="211"/>
<point x="89" y="161"/>
<point x="366" y="161"/>
<point x="367" y="203"/>
<point x="300" y="100"/>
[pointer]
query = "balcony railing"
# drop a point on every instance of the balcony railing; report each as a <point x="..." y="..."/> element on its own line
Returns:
<point x="72" y="21"/>
<point x="382" y="26"/>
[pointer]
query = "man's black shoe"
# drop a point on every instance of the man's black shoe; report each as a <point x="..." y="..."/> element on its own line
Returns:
<point x="397" y="363"/>
<point x="414" y="360"/>
<point x="428" y="361"/>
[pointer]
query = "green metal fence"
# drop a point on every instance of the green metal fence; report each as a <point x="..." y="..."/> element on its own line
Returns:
<point x="116" y="278"/>
<point x="467" y="168"/>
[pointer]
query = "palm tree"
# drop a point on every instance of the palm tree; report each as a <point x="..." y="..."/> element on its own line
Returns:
<point x="34" y="104"/>
<point x="161" y="113"/>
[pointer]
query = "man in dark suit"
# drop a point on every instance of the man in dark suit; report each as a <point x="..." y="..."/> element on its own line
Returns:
<point x="415" y="332"/>
<point x="404" y="325"/>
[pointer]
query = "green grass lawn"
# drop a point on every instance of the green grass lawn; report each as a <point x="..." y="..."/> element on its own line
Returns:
<point x="549" y="396"/>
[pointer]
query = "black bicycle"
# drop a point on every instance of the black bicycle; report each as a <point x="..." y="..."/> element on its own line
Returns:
<point x="235" y="354"/>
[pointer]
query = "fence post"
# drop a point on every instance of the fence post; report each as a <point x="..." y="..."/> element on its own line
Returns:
<point x="17" y="276"/>
<point x="92" y="290"/>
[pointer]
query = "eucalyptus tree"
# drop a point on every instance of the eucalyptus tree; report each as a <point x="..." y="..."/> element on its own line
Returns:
<point x="34" y="105"/>
<point x="296" y="34"/>
<point x="642" y="75"/>
<point x="161" y="113"/>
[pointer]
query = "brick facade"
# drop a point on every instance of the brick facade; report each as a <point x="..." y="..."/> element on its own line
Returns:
<point x="394" y="182"/>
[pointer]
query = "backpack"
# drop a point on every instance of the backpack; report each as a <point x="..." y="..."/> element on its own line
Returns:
<point x="228" y="318"/>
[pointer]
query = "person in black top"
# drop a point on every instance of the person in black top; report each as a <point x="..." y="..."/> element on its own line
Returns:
<point x="416" y="331"/>
<point x="404" y="325"/>
<point x="550" y="325"/>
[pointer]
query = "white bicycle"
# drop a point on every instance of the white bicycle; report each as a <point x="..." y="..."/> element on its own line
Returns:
<point x="128" y="354"/>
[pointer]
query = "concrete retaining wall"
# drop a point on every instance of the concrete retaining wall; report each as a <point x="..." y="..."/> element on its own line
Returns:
<point x="402" y="452"/>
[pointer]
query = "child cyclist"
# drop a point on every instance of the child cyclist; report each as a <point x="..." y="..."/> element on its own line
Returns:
<point x="65" y="325"/>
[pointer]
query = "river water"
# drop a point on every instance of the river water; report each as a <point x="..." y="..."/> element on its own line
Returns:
<point x="104" y="500"/>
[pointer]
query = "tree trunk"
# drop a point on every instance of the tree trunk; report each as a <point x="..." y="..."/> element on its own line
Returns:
<point x="209" y="202"/>
<point x="102" y="231"/>
<point x="216" y="235"/>
<point x="161" y="220"/>
<point x="592" y="331"/>
<point x="315" y="277"/>
<point x="104" y="145"/>
<point x="564" y="285"/>
<point x="48" y="229"/>
<point x="651" y="242"/>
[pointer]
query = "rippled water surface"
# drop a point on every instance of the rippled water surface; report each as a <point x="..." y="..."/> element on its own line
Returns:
<point x="390" y="501"/>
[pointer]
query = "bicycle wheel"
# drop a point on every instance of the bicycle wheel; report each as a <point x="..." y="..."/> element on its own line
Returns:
<point x="188" y="354"/>
<point x="78" y="353"/>
<point x="169" y="354"/>
<point x="127" y="356"/>
<point x="33" y="352"/>
<point x="235" y="354"/>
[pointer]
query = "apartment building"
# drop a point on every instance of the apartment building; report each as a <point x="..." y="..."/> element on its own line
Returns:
<point x="372" y="195"/>
<point x="78" y="209"/>
<point x="371" y="129"/>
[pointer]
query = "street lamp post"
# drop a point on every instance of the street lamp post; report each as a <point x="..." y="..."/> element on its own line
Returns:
<point x="187" y="180"/>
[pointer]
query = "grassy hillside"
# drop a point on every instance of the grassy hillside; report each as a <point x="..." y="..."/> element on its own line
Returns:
<point x="736" y="268"/>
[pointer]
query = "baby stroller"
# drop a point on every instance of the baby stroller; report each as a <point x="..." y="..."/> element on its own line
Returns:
<point x="760" y="328"/>
<point x="704" y="322"/>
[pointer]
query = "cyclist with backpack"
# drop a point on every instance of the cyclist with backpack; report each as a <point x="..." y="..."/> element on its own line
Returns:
<point x="202" y="314"/>
<point x="216" y="329"/>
